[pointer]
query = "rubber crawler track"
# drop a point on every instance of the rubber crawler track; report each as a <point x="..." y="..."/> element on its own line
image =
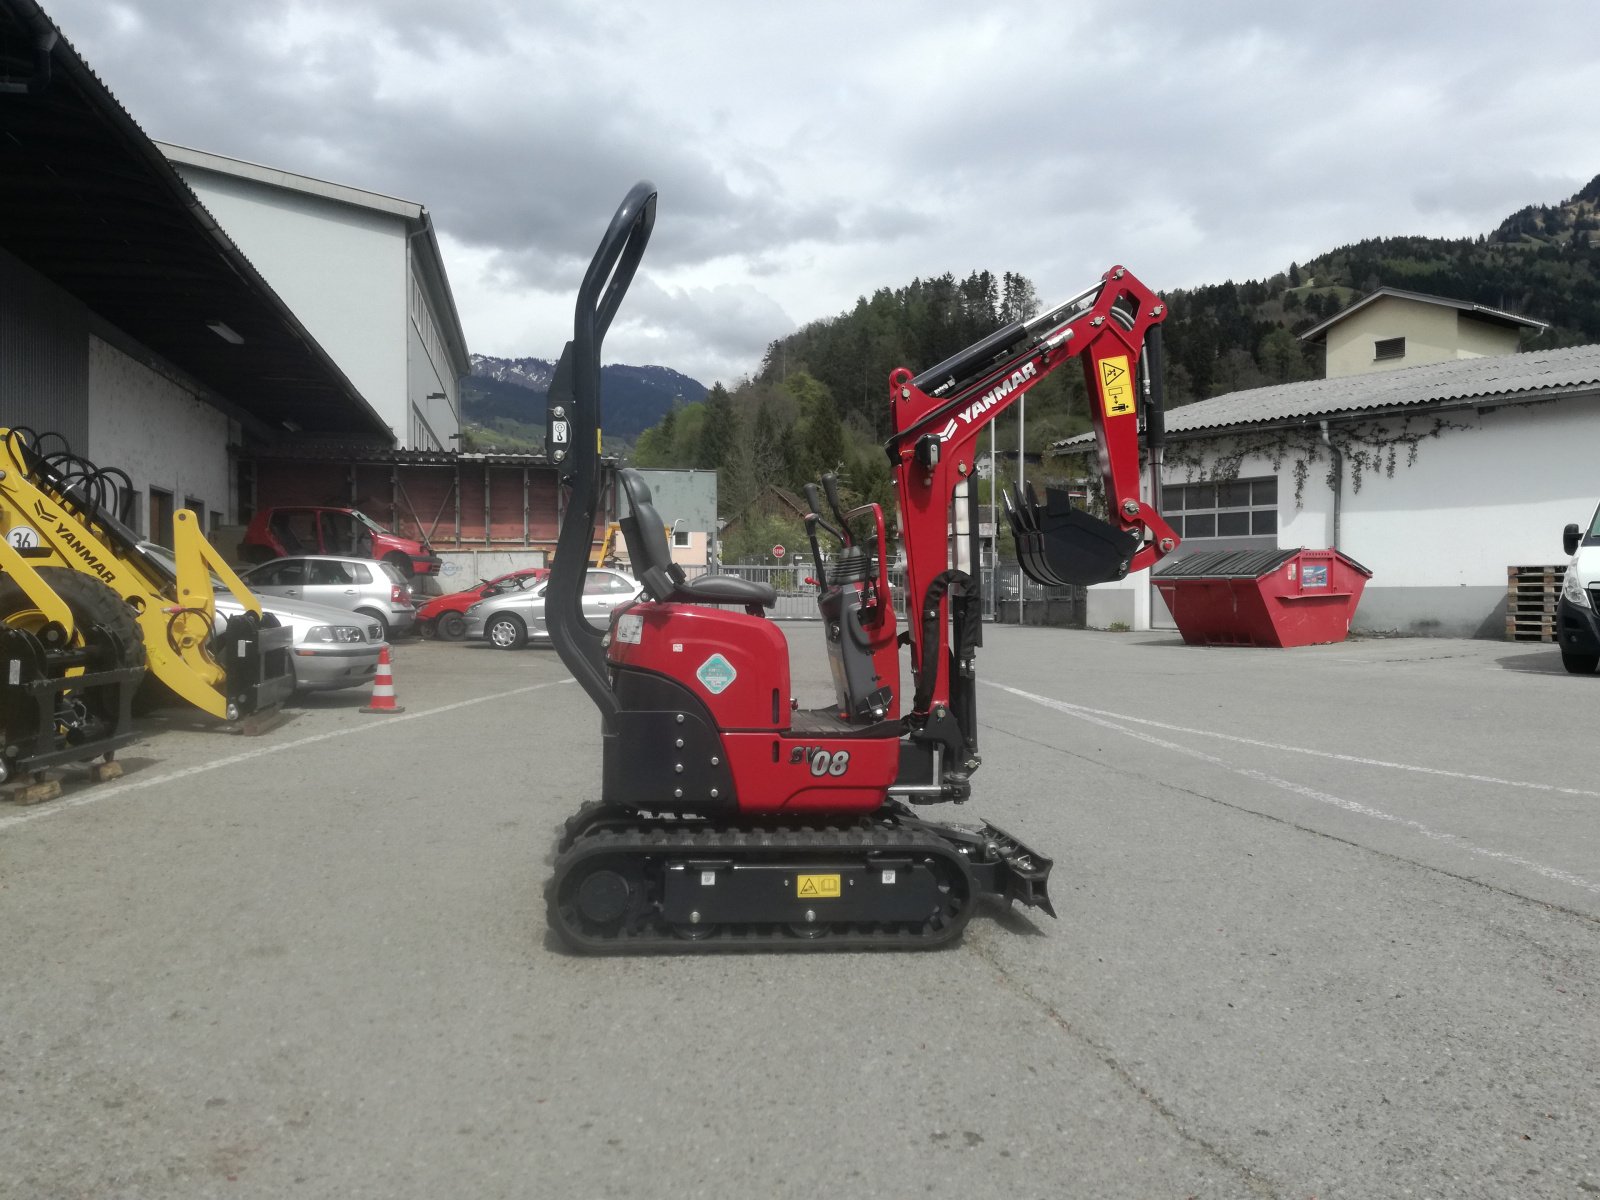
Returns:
<point x="595" y="837"/>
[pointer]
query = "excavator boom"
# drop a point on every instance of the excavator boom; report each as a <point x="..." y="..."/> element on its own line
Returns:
<point x="938" y="416"/>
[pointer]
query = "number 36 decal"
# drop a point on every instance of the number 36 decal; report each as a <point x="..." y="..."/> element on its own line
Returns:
<point x="821" y="760"/>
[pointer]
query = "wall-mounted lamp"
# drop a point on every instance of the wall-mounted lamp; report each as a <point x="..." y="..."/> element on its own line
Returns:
<point x="227" y="334"/>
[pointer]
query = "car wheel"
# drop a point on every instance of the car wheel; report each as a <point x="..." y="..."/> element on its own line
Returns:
<point x="506" y="632"/>
<point x="450" y="627"/>
<point x="1580" y="664"/>
<point x="375" y="615"/>
<point x="403" y="564"/>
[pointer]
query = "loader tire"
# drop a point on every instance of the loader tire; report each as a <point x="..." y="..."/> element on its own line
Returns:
<point x="91" y="603"/>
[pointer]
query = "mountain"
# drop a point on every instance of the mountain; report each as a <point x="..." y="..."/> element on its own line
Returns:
<point x="1542" y="261"/>
<point x="507" y="395"/>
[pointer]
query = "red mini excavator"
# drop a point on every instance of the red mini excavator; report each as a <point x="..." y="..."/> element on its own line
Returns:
<point x="728" y="815"/>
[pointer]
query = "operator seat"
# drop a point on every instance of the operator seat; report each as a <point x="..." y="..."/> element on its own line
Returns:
<point x="664" y="579"/>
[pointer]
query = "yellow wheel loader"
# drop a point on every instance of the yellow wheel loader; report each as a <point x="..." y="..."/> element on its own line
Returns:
<point x="84" y="611"/>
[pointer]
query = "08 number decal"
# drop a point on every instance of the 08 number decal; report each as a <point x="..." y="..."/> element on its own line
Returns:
<point x="821" y="760"/>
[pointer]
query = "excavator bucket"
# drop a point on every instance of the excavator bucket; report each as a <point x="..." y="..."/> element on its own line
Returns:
<point x="1059" y="545"/>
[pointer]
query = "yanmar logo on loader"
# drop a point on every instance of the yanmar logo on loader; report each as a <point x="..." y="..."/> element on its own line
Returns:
<point x="989" y="399"/>
<point x="90" y="558"/>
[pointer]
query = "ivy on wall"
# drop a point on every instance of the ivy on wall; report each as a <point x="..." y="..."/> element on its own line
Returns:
<point x="1366" y="447"/>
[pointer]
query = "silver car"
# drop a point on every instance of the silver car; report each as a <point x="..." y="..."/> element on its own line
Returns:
<point x="333" y="648"/>
<point x="512" y="619"/>
<point x="358" y="585"/>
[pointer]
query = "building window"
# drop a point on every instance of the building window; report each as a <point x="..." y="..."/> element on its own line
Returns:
<point x="1389" y="348"/>
<point x="161" y="517"/>
<point x="1239" y="508"/>
<point x="680" y="538"/>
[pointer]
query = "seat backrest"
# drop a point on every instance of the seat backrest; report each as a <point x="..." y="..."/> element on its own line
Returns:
<point x="647" y="539"/>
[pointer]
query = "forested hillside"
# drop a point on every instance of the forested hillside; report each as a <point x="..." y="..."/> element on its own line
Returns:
<point x="818" y="400"/>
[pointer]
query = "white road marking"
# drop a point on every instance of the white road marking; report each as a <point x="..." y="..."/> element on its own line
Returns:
<point x="93" y="795"/>
<point x="1075" y="709"/>
<point x="1118" y="723"/>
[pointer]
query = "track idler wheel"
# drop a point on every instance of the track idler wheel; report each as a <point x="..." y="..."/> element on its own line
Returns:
<point x="603" y="897"/>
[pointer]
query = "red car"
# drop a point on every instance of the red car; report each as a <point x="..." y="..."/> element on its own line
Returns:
<point x="306" y="529"/>
<point x="442" y="617"/>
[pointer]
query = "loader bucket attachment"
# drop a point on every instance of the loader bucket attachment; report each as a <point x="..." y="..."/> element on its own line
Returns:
<point x="1059" y="545"/>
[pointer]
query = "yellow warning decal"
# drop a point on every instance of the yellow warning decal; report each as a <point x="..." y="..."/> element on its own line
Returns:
<point x="817" y="887"/>
<point x="1116" y="385"/>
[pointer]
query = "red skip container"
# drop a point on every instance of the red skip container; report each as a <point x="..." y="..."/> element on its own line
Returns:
<point x="1262" y="597"/>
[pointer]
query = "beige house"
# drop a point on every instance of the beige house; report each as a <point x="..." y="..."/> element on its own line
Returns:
<point x="1394" y="328"/>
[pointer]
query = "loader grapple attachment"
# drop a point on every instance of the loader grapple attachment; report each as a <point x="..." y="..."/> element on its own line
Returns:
<point x="256" y="658"/>
<point x="64" y="705"/>
<point x="1059" y="545"/>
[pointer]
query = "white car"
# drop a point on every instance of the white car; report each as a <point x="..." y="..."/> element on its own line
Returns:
<point x="333" y="648"/>
<point x="512" y="619"/>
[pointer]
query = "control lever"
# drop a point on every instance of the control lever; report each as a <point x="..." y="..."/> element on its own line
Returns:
<point x="813" y="522"/>
<point x="830" y="486"/>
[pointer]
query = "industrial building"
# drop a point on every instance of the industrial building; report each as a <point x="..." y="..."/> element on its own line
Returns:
<point x="1438" y="477"/>
<point x="230" y="335"/>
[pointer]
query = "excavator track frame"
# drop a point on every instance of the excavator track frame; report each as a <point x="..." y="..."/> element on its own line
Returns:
<point x="629" y="883"/>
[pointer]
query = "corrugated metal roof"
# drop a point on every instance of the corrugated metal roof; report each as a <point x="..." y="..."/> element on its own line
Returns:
<point x="1504" y="378"/>
<point x="338" y="450"/>
<point x="89" y="203"/>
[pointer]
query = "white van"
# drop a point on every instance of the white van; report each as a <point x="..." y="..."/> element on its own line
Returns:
<point x="1577" y="621"/>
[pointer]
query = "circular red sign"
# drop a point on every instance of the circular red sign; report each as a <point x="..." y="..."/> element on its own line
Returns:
<point x="778" y="552"/>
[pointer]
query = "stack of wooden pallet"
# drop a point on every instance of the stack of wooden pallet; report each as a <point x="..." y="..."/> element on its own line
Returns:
<point x="1531" y="595"/>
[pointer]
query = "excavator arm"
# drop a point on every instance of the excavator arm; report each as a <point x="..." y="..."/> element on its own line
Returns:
<point x="1113" y="330"/>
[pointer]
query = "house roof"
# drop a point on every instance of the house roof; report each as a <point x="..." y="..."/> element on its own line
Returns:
<point x="1496" y="379"/>
<point x="418" y="223"/>
<point x="90" y="203"/>
<point x="1492" y="316"/>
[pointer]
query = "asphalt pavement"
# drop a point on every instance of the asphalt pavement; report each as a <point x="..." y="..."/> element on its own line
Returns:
<point x="1328" y="928"/>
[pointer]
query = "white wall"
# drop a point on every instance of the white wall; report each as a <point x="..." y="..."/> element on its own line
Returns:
<point x="1492" y="490"/>
<point x="341" y="269"/>
<point x="428" y="369"/>
<point x="156" y="431"/>
<point x="1433" y="333"/>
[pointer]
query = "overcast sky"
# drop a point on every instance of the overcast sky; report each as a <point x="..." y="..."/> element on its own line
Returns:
<point x="811" y="152"/>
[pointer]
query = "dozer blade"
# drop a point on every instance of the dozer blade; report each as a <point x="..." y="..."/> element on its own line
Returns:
<point x="1060" y="545"/>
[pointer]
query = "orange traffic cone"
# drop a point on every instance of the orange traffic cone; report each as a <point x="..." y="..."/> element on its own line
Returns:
<point x="383" y="688"/>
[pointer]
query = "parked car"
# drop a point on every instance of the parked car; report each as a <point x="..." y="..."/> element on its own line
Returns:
<point x="360" y="585"/>
<point x="511" y="619"/>
<point x="333" y="648"/>
<point x="1577" y="626"/>
<point x="444" y="617"/>
<point x="287" y="531"/>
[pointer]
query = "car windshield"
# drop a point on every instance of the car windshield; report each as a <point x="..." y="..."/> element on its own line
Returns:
<point x="392" y="571"/>
<point x="165" y="557"/>
<point x="367" y="521"/>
